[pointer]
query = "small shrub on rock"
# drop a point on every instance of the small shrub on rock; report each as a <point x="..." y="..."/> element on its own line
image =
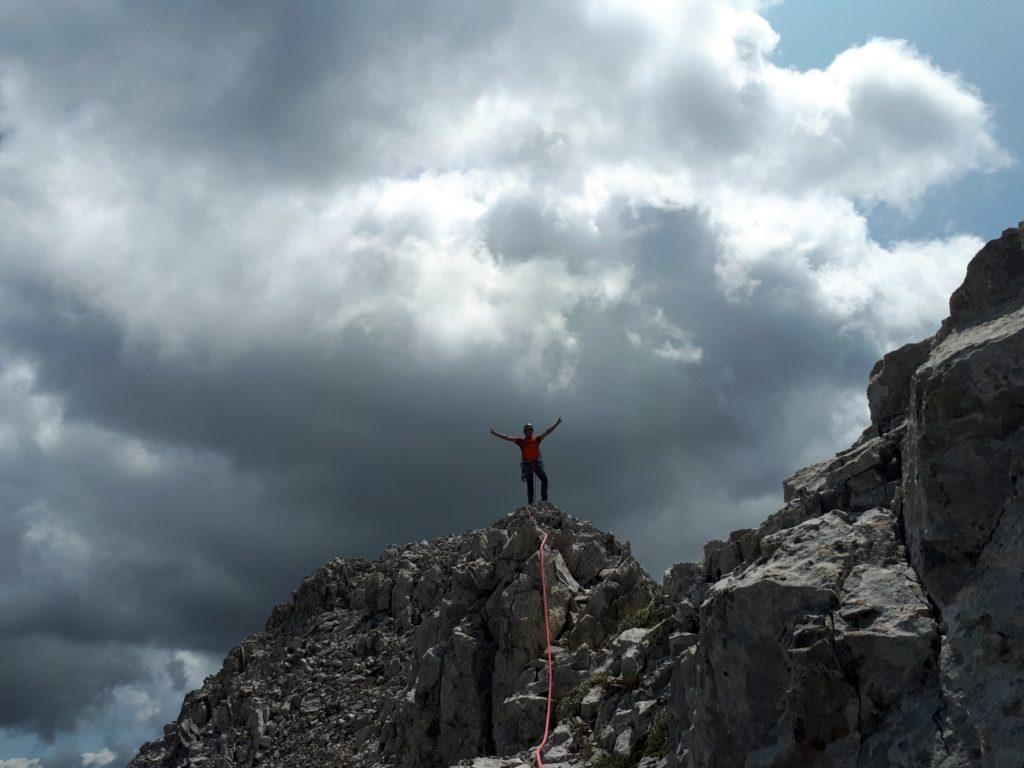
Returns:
<point x="648" y="615"/>
<point x="656" y="744"/>
<point x="570" y="705"/>
<point x="614" y="761"/>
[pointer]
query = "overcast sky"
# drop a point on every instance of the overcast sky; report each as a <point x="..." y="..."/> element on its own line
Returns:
<point x="270" y="271"/>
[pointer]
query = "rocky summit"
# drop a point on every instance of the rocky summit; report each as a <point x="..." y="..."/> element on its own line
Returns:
<point x="877" y="619"/>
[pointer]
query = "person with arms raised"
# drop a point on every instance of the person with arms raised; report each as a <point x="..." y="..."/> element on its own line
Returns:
<point x="532" y="461"/>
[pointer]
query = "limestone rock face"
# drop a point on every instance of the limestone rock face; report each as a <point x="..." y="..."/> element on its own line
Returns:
<point x="889" y="383"/>
<point x="435" y="653"/>
<point x="823" y="649"/>
<point x="964" y="504"/>
<point x="993" y="285"/>
<point x="876" y="619"/>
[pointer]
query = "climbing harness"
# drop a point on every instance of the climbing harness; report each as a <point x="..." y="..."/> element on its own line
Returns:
<point x="526" y="468"/>
<point x="547" y="636"/>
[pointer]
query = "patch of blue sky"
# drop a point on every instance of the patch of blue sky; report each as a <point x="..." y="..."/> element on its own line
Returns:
<point x="978" y="41"/>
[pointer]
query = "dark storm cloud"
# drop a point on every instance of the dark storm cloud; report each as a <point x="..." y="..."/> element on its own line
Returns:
<point x="175" y="669"/>
<point x="49" y="682"/>
<point x="266" y="91"/>
<point x="519" y="213"/>
<point x="341" y="444"/>
<point x="343" y="454"/>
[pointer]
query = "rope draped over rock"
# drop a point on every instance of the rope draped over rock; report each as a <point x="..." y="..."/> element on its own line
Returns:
<point x="547" y="639"/>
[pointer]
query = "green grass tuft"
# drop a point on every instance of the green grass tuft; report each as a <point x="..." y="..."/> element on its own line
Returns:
<point x="614" y="761"/>
<point x="656" y="744"/>
<point x="570" y="705"/>
<point x="648" y="615"/>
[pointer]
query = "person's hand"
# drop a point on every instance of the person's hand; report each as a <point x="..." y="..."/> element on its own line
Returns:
<point x="559" y="420"/>
<point x="492" y="431"/>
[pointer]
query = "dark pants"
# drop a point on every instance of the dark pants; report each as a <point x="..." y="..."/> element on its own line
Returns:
<point x="528" y="469"/>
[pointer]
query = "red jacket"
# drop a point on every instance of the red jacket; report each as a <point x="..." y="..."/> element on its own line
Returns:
<point x="530" y="446"/>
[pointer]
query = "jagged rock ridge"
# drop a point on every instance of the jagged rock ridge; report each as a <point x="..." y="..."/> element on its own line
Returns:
<point x="877" y="619"/>
<point x="434" y="653"/>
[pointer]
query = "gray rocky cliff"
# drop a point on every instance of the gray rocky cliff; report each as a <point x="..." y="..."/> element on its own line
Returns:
<point x="434" y="655"/>
<point x="877" y="619"/>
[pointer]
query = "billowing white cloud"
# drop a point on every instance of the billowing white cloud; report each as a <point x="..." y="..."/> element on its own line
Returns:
<point x="888" y="293"/>
<point x="681" y="108"/>
<point x="104" y="757"/>
<point x="664" y="339"/>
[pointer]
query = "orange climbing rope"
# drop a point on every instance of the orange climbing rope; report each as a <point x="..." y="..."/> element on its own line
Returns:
<point x="547" y="635"/>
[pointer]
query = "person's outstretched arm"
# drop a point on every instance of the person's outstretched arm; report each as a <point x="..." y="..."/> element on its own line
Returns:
<point x="549" y="430"/>
<point x="503" y="437"/>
